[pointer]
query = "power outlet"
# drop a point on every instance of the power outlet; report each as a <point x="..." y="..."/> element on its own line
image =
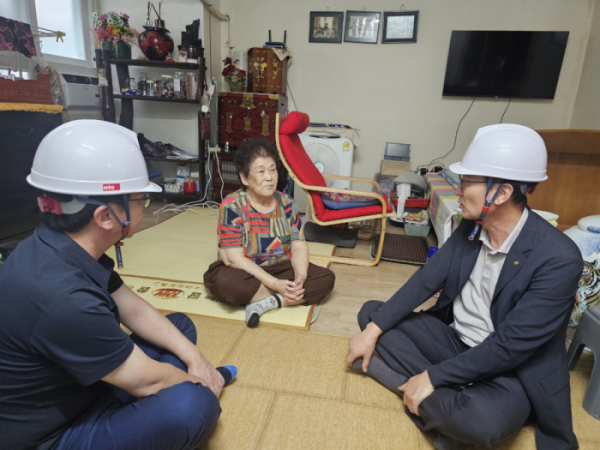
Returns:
<point x="214" y="150"/>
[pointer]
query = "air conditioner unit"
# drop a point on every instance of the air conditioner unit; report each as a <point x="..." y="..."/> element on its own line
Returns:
<point x="332" y="155"/>
<point x="81" y="96"/>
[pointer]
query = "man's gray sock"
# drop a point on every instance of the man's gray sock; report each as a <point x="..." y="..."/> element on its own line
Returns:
<point x="382" y="373"/>
<point x="255" y="310"/>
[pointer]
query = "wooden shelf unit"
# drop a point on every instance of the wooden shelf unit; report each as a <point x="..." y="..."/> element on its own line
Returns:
<point x="103" y="57"/>
<point x="171" y="160"/>
<point x="154" y="99"/>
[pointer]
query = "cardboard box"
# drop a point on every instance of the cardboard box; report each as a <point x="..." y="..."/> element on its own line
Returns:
<point x="394" y="168"/>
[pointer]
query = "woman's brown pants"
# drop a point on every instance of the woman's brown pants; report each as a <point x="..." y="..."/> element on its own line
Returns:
<point x="237" y="287"/>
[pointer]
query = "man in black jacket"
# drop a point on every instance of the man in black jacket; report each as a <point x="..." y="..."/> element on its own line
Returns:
<point x="490" y="356"/>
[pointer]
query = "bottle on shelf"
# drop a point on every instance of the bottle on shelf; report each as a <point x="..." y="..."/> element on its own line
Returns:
<point x="226" y="147"/>
<point x="167" y="89"/>
<point x="142" y="89"/>
<point x="179" y="87"/>
<point x="192" y="86"/>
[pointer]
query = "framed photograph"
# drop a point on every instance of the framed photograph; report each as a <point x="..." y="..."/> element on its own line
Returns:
<point x="400" y="27"/>
<point x="326" y="27"/>
<point x="362" y="27"/>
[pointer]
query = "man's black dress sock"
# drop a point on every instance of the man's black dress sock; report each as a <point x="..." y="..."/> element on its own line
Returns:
<point x="382" y="373"/>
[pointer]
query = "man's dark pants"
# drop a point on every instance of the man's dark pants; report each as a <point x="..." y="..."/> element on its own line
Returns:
<point x="483" y="413"/>
<point x="179" y="417"/>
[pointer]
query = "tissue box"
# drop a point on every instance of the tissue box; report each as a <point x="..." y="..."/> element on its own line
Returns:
<point x="394" y="168"/>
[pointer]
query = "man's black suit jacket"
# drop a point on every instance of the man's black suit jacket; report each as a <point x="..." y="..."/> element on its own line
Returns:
<point x="530" y="309"/>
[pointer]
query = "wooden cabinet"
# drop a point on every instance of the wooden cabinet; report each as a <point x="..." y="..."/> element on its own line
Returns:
<point x="267" y="74"/>
<point x="243" y="115"/>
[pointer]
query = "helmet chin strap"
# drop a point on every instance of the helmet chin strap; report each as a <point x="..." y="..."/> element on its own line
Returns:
<point x="485" y="208"/>
<point x="125" y="224"/>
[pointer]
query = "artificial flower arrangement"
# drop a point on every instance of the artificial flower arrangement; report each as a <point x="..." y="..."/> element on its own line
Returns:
<point x="234" y="76"/>
<point x="112" y="28"/>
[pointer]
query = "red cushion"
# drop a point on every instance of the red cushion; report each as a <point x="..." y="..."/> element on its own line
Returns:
<point x="301" y="164"/>
<point x="295" y="123"/>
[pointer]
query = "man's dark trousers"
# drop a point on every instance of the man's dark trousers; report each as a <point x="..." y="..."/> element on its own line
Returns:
<point x="179" y="417"/>
<point x="481" y="414"/>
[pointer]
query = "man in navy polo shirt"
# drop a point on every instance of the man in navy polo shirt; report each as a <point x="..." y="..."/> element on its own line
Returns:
<point x="70" y="377"/>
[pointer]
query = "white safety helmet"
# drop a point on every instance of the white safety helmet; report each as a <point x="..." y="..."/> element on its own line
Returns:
<point x="90" y="157"/>
<point x="506" y="151"/>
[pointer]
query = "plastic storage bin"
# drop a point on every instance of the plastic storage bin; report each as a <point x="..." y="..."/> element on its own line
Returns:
<point x="417" y="229"/>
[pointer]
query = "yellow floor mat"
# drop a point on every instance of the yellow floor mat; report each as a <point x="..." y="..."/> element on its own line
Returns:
<point x="165" y="265"/>
<point x="294" y="391"/>
<point x="289" y="361"/>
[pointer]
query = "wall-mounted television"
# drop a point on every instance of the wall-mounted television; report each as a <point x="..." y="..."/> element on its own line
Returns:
<point x="508" y="64"/>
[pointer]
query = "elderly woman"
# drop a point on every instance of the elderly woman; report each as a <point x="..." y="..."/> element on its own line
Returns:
<point x="263" y="258"/>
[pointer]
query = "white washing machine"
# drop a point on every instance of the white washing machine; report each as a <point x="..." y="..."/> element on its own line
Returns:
<point x="332" y="155"/>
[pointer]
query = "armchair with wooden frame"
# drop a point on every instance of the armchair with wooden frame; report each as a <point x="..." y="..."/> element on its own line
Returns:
<point x="304" y="173"/>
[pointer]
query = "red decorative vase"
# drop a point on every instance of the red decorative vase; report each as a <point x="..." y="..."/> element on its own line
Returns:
<point x="189" y="187"/>
<point x="156" y="43"/>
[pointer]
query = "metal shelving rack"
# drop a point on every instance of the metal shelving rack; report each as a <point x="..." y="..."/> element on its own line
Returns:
<point x="103" y="58"/>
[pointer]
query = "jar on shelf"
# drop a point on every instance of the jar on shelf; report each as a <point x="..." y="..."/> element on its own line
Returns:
<point x="179" y="85"/>
<point x="159" y="87"/>
<point x="191" y="86"/>
<point x="167" y="86"/>
<point x="142" y="87"/>
<point x="151" y="84"/>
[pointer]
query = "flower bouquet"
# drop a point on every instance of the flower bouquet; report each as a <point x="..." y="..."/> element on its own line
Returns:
<point x="112" y="32"/>
<point x="236" y="78"/>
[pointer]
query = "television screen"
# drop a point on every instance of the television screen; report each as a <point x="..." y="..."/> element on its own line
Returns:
<point x="509" y="64"/>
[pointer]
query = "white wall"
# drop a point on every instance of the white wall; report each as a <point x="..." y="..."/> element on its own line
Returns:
<point x="392" y="92"/>
<point x="586" y="113"/>
<point x="174" y="123"/>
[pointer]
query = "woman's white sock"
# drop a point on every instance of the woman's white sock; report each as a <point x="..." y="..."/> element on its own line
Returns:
<point x="257" y="309"/>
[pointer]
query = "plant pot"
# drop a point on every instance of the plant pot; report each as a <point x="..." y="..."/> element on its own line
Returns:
<point x="105" y="45"/>
<point x="156" y="43"/>
<point x="236" y="86"/>
<point x="121" y="50"/>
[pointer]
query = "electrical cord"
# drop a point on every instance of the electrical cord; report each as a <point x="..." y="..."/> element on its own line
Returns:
<point x="506" y="109"/>
<point x="436" y="160"/>
<point x="210" y="44"/>
<point x="292" y="95"/>
<point x="220" y="175"/>
<point x="211" y="205"/>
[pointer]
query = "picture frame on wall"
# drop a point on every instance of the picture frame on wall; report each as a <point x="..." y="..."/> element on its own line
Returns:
<point x="326" y="27"/>
<point x="362" y="27"/>
<point x="400" y="27"/>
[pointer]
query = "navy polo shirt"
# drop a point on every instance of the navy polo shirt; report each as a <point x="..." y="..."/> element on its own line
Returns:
<point x="59" y="335"/>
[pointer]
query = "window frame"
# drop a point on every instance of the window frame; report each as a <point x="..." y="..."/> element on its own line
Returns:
<point x="61" y="62"/>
